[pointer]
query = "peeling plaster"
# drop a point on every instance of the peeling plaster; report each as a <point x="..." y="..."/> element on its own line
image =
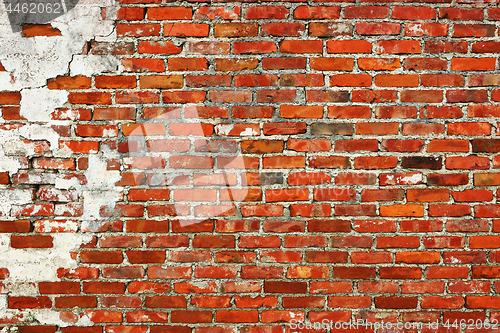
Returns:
<point x="224" y="129"/>
<point x="11" y="197"/>
<point x="38" y="103"/>
<point x="29" y="63"/>
<point x="28" y="266"/>
<point x="11" y="143"/>
<point x="94" y="64"/>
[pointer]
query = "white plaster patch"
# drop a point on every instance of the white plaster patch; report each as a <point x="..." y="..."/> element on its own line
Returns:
<point x="11" y="197"/>
<point x="454" y="260"/>
<point x="67" y="183"/>
<point x="99" y="191"/>
<point x="37" y="104"/>
<point x="28" y="266"/>
<point x="415" y="179"/>
<point x="224" y="129"/>
<point x="416" y="29"/>
<point x="50" y="317"/>
<point x="249" y="131"/>
<point x="38" y="132"/>
<point x="11" y="144"/>
<point x="94" y="64"/>
<point x="60" y="225"/>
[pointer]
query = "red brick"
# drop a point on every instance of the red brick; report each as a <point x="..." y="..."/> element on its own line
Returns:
<point x="169" y="13"/>
<point x="425" y="64"/>
<point x="378" y="28"/>
<point x="398" y="46"/>
<point x="138" y="30"/>
<point x="68" y="82"/>
<point x="187" y="64"/>
<point x="332" y="64"/>
<point x="161" y="47"/>
<point x="75" y="301"/>
<point x="396" y="80"/>
<point x="422" y="96"/>
<point x="186" y="29"/>
<point x="351" y="80"/>
<point x="326" y="96"/>
<point x="378" y="64"/>
<point x="33" y="242"/>
<point x="115" y="82"/>
<point x="486" y="47"/>
<point x="349" y="46"/>
<point x="474" y="30"/>
<point x="413" y="13"/>
<point x="297" y="46"/>
<point x="317" y="12"/>
<point x="211" y="301"/>
<point x="23" y="302"/>
<point x="362" y="273"/>
<point x="131" y="13"/>
<point x="317" y="29"/>
<point x="136" y="97"/>
<point x="422" y="129"/>
<point x="161" y="81"/>
<point x="191" y="316"/>
<point x="279" y="256"/>
<point x="368" y="12"/>
<point x="356" y="145"/>
<point x="371" y="257"/>
<point x="400" y="273"/>
<point x="283" y="29"/>
<point x="256" y="80"/>
<point x="438" y="302"/>
<point x="206" y="47"/>
<point x="103" y="288"/>
<point x="426" y="29"/>
<point x="212" y="13"/>
<point x="302" y="80"/>
<point x="463" y="96"/>
<point x="459" y="14"/>
<point x="326" y="256"/>
<point x="285" y="287"/>
<point x="472" y="64"/>
<point x="448" y="145"/>
<point x="284" y="63"/>
<point x="87" y="98"/>
<point x="235" y="29"/>
<point x="276" y="316"/>
<point x="303" y="302"/>
<point x="441" y="272"/>
<point x="32" y="30"/>
<point x="330" y="287"/>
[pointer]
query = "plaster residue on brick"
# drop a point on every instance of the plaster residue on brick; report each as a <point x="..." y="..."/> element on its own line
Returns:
<point x="27" y="268"/>
<point x="29" y="62"/>
<point x="99" y="191"/>
<point x="13" y="143"/>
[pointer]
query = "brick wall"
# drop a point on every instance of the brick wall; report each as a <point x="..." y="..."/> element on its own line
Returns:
<point x="248" y="165"/>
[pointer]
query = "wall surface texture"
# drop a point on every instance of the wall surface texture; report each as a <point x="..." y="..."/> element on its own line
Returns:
<point x="239" y="167"/>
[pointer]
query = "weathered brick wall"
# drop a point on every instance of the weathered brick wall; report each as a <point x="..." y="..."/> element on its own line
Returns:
<point x="241" y="166"/>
